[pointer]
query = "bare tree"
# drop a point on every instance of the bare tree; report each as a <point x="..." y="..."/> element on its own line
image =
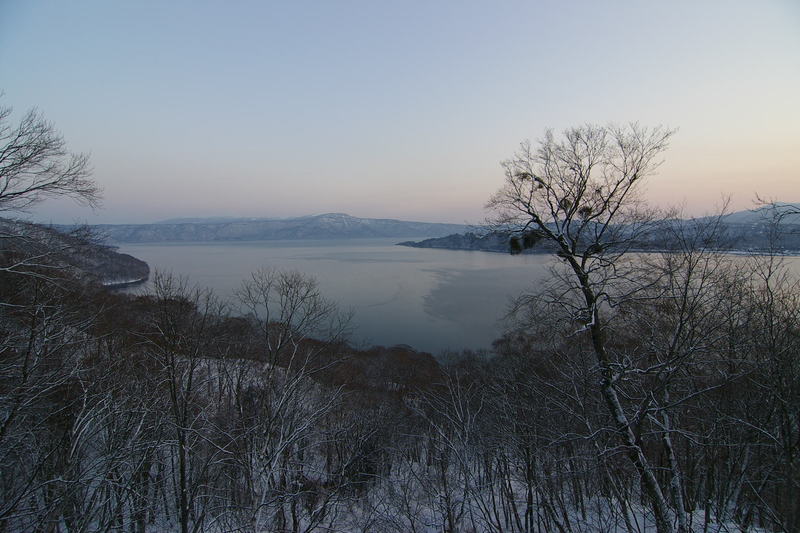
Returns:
<point x="42" y="343"/>
<point x="579" y="194"/>
<point x="299" y="335"/>
<point x="35" y="164"/>
<point x="291" y="310"/>
<point x="182" y="346"/>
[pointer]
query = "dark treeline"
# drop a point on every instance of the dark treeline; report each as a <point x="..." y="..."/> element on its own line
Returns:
<point x="41" y="248"/>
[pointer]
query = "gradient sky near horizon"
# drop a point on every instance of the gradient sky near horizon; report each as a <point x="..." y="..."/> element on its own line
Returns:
<point x="397" y="109"/>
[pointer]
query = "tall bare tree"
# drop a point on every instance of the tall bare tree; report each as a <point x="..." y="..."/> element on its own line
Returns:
<point x="579" y="193"/>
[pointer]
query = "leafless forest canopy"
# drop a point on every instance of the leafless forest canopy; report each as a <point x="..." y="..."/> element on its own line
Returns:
<point x="632" y="393"/>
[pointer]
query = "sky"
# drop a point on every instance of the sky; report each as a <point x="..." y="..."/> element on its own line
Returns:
<point x="397" y="109"/>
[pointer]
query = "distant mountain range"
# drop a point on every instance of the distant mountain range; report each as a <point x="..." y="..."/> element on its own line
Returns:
<point x="326" y="226"/>
<point x="214" y="220"/>
<point x="746" y="227"/>
<point x="762" y="215"/>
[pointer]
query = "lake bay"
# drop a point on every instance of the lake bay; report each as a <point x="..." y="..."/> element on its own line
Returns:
<point x="432" y="300"/>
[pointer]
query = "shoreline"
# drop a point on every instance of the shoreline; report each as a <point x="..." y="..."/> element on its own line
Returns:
<point x="760" y="253"/>
<point x="124" y="283"/>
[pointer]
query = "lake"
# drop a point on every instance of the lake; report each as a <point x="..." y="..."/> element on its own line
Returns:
<point x="432" y="300"/>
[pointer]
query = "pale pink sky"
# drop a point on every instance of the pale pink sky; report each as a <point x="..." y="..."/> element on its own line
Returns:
<point x="402" y="109"/>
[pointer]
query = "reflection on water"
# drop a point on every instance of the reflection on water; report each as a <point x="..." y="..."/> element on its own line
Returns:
<point x="460" y="291"/>
<point x="430" y="299"/>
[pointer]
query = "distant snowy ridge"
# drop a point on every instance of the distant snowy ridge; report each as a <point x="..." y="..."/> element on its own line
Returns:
<point x="325" y="226"/>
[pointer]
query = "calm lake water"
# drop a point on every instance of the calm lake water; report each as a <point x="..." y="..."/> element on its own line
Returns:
<point x="430" y="299"/>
